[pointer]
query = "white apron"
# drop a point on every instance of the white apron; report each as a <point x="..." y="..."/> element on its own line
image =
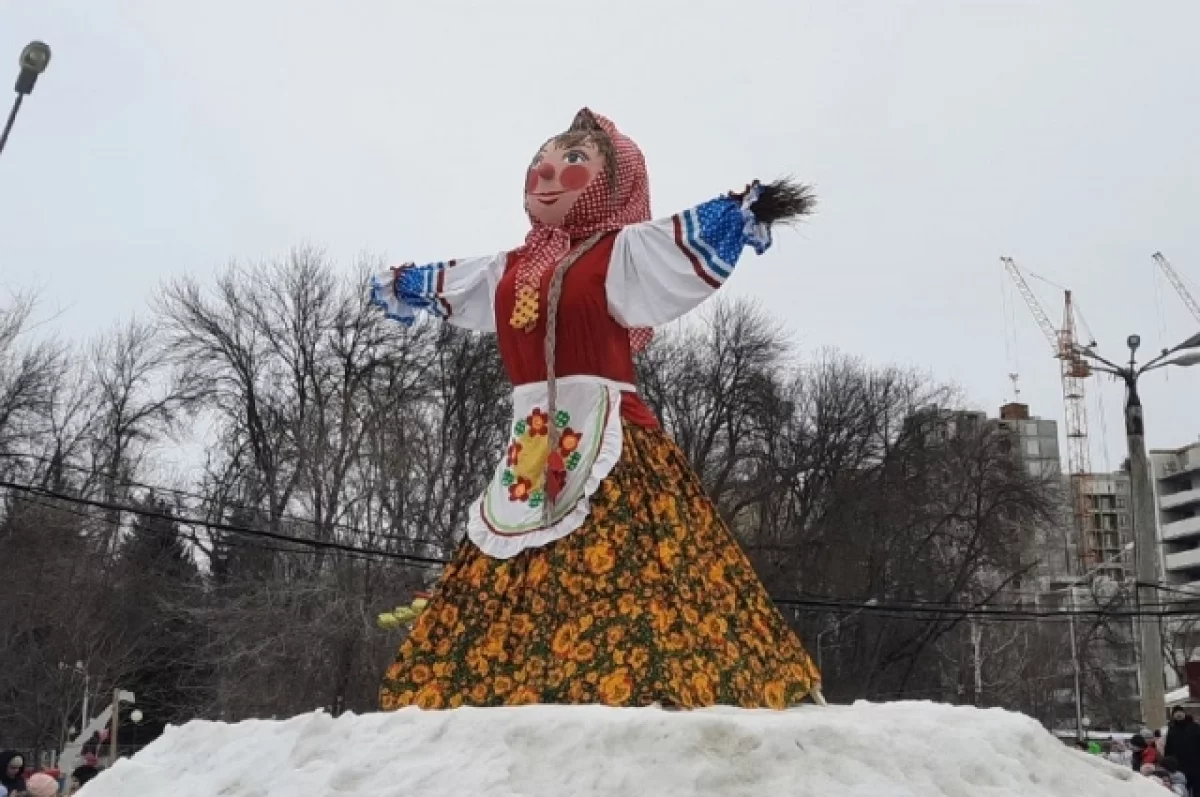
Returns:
<point x="510" y="516"/>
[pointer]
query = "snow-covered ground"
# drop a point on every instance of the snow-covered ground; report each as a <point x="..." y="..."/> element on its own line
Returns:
<point x="865" y="750"/>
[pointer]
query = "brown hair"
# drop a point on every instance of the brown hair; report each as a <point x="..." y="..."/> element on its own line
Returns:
<point x="584" y="128"/>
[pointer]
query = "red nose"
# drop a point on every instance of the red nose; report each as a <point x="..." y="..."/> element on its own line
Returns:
<point x="546" y="171"/>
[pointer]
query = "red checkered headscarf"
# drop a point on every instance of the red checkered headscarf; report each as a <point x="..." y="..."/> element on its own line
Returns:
<point x="614" y="199"/>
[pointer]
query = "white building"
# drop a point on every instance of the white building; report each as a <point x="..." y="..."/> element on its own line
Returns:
<point x="1177" y="489"/>
<point x="1177" y="479"/>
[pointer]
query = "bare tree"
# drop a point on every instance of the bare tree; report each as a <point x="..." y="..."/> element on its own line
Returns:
<point x="28" y="372"/>
<point x="717" y="387"/>
<point x="849" y="481"/>
<point x="336" y="425"/>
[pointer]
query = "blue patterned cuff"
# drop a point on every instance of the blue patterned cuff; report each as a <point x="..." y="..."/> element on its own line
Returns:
<point x="385" y="296"/>
<point x="401" y="294"/>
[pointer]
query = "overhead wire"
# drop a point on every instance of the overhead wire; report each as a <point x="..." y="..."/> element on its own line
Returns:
<point x="232" y="504"/>
<point x="1168" y="588"/>
<point x="894" y="609"/>
<point x="227" y="545"/>
<point x="980" y="611"/>
<point x="243" y="545"/>
<point x="217" y="526"/>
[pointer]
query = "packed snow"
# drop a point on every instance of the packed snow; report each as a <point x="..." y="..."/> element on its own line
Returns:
<point x="865" y="750"/>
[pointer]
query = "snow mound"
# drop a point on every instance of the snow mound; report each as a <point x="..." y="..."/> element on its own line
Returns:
<point x="865" y="750"/>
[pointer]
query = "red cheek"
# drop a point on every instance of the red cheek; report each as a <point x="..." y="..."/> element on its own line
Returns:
<point x="575" y="177"/>
<point x="531" y="181"/>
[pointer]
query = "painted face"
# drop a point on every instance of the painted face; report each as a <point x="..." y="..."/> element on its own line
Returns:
<point x="557" y="177"/>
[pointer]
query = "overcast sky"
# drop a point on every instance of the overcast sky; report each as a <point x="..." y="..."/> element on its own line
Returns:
<point x="171" y="136"/>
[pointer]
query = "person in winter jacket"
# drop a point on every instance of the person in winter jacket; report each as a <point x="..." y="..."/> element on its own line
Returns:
<point x="81" y="776"/>
<point x="1120" y="754"/>
<point x="1178" y="780"/>
<point x="1157" y="774"/>
<point x="41" y="785"/>
<point x="1150" y="754"/>
<point x="12" y="771"/>
<point x="1138" y="743"/>
<point x="1183" y="744"/>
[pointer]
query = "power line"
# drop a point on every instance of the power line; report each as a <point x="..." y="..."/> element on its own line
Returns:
<point x="822" y="599"/>
<point x="344" y="526"/>
<point x="367" y="556"/>
<point x="979" y="611"/>
<point x="1167" y="588"/>
<point x="895" y="609"/>
<point x="217" y="526"/>
<point x="901" y="609"/>
<point x="209" y="499"/>
<point x="373" y="556"/>
<point x="801" y="599"/>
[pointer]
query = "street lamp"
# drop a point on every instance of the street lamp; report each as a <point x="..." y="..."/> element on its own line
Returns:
<point x="81" y="669"/>
<point x="33" y="62"/>
<point x="87" y="684"/>
<point x="836" y="626"/>
<point x="1144" y="521"/>
<point x="119" y="696"/>
<point x="1080" y="725"/>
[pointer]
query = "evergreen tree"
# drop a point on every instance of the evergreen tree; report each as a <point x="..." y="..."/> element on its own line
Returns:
<point x="159" y="582"/>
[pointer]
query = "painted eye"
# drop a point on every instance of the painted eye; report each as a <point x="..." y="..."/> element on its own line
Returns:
<point x="575" y="156"/>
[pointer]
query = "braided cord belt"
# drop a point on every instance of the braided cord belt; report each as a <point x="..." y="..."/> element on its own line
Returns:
<point x="554" y="460"/>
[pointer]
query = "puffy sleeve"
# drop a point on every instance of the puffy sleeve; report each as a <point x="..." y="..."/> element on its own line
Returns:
<point x="662" y="269"/>
<point x="462" y="292"/>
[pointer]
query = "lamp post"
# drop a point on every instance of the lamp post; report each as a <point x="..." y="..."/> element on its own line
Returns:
<point x="33" y="62"/>
<point x="87" y="684"/>
<point x="1080" y="726"/>
<point x="81" y="669"/>
<point x="120" y="696"/>
<point x="1145" y="522"/>
<point x="836" y="626"/>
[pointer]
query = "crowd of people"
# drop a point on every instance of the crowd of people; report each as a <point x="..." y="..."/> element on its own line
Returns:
<point x="1173" y="760"/>
<point x="19" y="779"/>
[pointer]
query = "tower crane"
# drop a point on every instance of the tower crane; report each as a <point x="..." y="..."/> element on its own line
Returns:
<point x="1073" y="371"/>
<point x="1177" y="282"/>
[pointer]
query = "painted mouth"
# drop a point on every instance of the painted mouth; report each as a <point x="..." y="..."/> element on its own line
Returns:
<point x="549" y="198"/>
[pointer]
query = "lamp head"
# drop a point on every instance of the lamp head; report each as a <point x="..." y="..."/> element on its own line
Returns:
<point x="33" y="62"/>
<point x="35" y="57"/>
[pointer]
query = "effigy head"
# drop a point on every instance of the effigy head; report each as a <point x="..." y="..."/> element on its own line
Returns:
<point x="586" y="176"/>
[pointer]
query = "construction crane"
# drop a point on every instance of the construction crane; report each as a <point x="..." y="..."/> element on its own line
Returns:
<point x="1177" y="282"/>
<point x="1073" y="371"/>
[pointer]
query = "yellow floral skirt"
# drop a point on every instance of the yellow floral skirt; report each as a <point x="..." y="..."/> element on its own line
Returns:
<point x="651" y="601"/>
